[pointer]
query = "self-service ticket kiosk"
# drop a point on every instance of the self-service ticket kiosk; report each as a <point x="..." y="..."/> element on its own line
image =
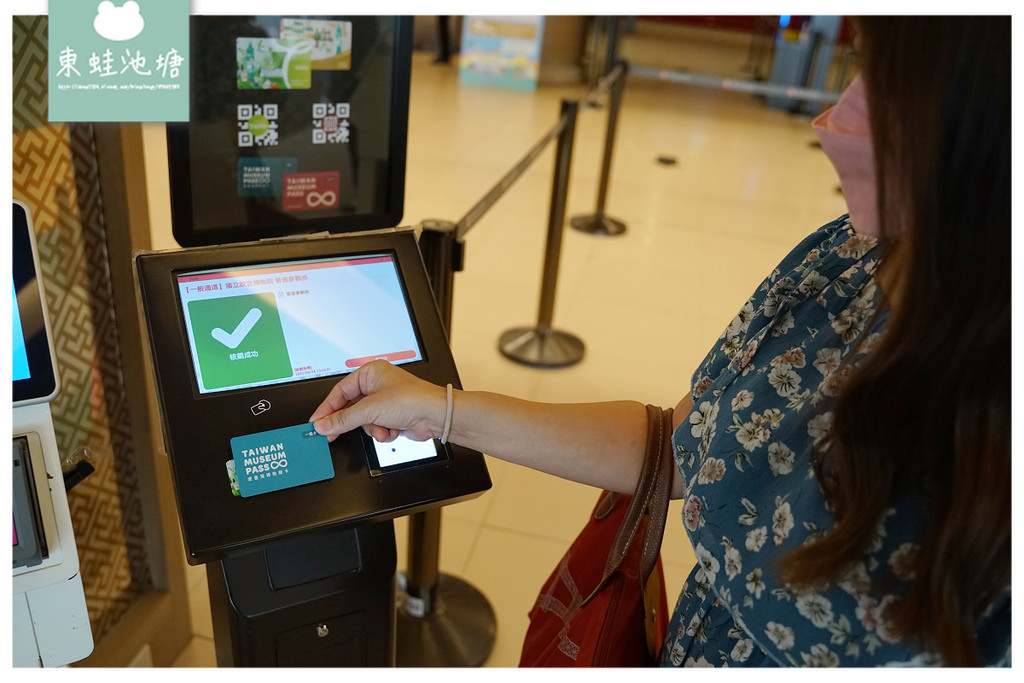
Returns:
<point x="297" y="125"/>
<point x="50" y="620"/>
<point x="247" y="339"/>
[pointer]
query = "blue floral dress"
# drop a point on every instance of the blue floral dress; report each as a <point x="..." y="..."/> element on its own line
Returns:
<point x="762" y="398"/>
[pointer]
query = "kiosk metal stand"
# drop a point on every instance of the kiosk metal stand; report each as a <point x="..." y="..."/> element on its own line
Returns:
<point x="442" y="619"/>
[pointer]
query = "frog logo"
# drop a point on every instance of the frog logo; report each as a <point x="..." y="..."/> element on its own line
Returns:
<point x="118" y="23"/>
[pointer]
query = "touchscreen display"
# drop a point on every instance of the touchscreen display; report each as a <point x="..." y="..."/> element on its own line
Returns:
<point x="33" y="375"/>
<point x="281" y="322"/>
<point x="400" y="453"/>
<point x="19" y="369"/>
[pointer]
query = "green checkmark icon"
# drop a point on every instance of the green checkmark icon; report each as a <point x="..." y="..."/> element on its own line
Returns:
<point x="233" y="339"/>
<point x="250" y="352"/>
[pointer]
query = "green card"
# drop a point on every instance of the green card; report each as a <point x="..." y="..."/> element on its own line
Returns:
<point x="273" y="63"/>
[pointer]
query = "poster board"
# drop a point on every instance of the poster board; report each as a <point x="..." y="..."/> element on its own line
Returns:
<point x="501" y="51"/>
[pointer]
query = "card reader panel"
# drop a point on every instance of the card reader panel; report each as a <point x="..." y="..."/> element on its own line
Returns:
<point x="199" y="427"/>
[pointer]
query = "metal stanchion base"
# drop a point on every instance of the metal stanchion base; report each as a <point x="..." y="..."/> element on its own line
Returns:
<point x="541" y="348"/>
<point x="458" y="631"/>
<point x="598" y="224"/>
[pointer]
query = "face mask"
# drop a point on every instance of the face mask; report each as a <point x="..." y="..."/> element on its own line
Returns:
<point x="846" y="139"/>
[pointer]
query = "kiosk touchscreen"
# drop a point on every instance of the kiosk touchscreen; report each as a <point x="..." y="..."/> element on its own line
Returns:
<point x="50" y="619"/>
<point x="32" y="370"/>
<point x="247" y="340"/>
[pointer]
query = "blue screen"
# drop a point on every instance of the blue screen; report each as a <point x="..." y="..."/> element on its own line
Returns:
<point x="20" y="370"/>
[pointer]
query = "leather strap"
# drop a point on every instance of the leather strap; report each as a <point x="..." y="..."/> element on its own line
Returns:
<point x="651" y="497"/>
<point x="657" y="504"/>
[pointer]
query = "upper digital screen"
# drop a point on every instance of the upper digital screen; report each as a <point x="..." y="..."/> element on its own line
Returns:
<point x="281" y="322"/>
<point x="297" y="124"/>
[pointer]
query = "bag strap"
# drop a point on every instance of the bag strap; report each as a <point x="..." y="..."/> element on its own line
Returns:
<point x="657" y="504"/>
<point x="651" y="497"/>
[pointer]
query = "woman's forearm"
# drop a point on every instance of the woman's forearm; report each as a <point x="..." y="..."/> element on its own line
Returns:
<point x="601" y="444"/>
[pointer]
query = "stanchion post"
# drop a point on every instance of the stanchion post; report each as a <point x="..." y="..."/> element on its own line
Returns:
<point x="599" y="223"/>
<point x="611" y="47"/>
<point x="442" y="621"/>
<point x="421" y="576"/>
<point x="542" y="346"/>
<point x="442" y="256"/>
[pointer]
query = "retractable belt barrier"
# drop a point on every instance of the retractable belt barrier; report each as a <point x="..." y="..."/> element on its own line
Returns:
<point x="443" y="241"/>
<point x="737" y="84"/>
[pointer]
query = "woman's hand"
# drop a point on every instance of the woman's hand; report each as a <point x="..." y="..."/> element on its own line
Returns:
<point x="600" y="444"/>
<point x="385" y="401"/>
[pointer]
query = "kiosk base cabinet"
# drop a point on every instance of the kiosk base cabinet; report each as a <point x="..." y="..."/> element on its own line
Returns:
<point x="319" y="599"/>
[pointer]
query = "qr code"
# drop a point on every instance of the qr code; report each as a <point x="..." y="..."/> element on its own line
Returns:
<point x="257" y="125"/>
<point x="330" y="123"/>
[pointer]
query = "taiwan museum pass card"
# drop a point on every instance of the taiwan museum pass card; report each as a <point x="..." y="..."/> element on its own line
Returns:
<point x="279" y="459"/>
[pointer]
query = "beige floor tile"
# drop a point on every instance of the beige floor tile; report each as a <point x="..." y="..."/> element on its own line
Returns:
<point x="199" y="604"/>
<point x="199" y="652"/>
<point x="539" y="504"/>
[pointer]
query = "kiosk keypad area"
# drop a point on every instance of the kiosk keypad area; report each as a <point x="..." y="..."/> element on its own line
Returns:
<point x="247" y="339"/>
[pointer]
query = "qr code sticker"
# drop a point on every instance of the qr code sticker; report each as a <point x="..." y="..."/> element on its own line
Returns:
<point x="330" y="123"/>
<point x="257" y="125"/>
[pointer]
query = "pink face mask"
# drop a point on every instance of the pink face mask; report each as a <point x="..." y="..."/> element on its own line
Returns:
<point x="846" y="138"/>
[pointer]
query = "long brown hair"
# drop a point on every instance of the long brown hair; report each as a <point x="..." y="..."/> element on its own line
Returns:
<point x="928" y="412"/>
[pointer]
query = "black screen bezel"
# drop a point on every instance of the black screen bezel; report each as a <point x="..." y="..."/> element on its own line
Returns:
<point x="180" y="310"/>
<point x="214" y="522"/>
<point x="390" y="206"/>
<point x="41" y="384"/>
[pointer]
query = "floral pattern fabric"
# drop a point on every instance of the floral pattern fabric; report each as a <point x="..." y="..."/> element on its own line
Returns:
<point x="763" y="399"/>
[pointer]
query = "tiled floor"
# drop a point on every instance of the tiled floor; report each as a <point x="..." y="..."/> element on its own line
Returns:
<point x="702" y="233"/>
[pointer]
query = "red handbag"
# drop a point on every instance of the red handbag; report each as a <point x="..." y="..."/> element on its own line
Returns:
<point x="605" y="603"/>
